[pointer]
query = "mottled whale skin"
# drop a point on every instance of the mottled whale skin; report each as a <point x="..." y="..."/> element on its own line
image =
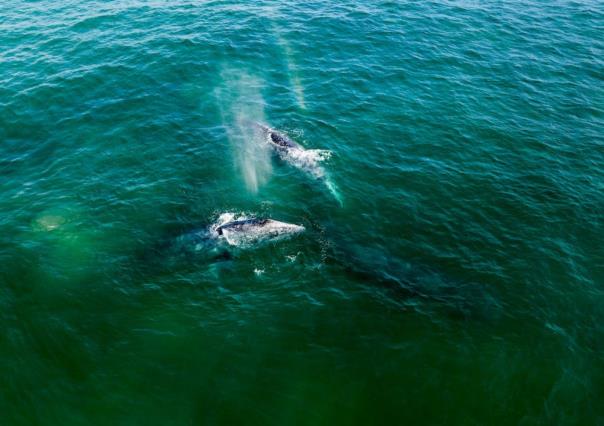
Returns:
<point x="232" y="232"/>
<point x="279" y="140"/>
<point x="247" y="232"/>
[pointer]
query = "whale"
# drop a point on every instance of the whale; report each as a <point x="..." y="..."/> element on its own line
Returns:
<point x="279" y="140"/>
<point x="229" y="232"/>
<point x="250" y="232"/>
<point x="307" y="160"/>
<point x="295" y="154"/>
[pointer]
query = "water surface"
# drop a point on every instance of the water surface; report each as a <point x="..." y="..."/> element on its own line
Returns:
<point x="460" y="281"/>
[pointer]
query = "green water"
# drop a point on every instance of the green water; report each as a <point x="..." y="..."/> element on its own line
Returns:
<point x="459" y="281"/>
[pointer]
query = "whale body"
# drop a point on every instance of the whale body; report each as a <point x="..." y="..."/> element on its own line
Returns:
<point x="307" y="160"/>
<point x="247" y="232"/>
<point x="231" y="231"/>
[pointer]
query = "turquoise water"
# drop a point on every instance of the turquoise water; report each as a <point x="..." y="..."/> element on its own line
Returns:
<point x="451" y="272"/>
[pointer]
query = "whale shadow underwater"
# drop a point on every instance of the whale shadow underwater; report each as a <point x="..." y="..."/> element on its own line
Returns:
<point x="402" y="283"/>
<point x="405" y="283"/>
<point x="376" y="270"/>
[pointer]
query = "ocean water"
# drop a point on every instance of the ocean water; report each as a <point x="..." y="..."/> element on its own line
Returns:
<point x="452" y="267"/>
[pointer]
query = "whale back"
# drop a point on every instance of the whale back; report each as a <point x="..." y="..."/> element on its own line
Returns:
<point x="241" y="225"/>
<point x="249" y="232"/>
<point x="282" y="140"/>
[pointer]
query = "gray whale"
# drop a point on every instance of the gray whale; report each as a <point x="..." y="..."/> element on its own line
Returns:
<point x="307" y="160"/>
<point x="230" y="231"/>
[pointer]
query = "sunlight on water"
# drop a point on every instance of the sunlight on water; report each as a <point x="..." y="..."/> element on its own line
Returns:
<point x="241" y="104"/>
